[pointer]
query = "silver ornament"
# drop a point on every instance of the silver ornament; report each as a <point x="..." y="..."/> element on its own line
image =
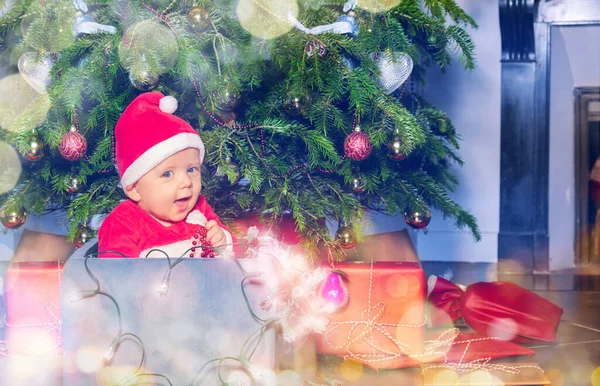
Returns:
<point x="351" y="20"/>
<point x="36" y="70"/>
<point x="393" y="72"/>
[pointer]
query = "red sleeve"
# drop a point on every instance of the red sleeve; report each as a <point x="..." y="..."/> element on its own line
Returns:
<point x="118" y="233"/>
<point x="211" y="215"/>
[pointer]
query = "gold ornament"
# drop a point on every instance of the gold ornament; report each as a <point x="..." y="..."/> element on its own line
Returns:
<point x="73" y="184"/>
<point x="394" y="148"/>
<point x="199" y="18"/>
<point x="296" y="105"/>
<point x="36" y="148"/>
<point x="346" y="236"/>
<point x="13" y="218"/>
<point x="83" y="234"/>
<point x="417" y="218"/>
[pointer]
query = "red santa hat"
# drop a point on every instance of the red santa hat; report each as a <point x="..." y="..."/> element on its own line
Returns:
<point x="148" y="133"/>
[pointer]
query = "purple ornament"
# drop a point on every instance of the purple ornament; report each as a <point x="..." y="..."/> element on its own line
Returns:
<point x="334" y="291"/>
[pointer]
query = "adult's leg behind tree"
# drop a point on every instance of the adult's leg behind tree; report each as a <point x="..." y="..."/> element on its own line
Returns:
<point x="41" y="246"/>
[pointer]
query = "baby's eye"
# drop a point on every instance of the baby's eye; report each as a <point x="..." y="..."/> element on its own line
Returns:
<point x="192" y="169"/>
<point x="167" y="174"/>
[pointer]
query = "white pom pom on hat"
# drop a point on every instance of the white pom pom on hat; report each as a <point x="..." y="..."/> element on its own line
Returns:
<point x="168" y="104"/>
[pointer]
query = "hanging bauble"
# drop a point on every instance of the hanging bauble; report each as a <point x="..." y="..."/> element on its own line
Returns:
<point x="82" y="235"/>
<point x="73" y="184"/>
<point x="36" y="148"/>
<point x="350" y="18"/>
<point x="346" y="236"/>
<point x="13" y="218"/>
<point x="296" y="104"/>
<point x="334" y="291"/>
<point x="395" y="70"/>
<point x="315" y="47"/>
<point x="357" y="145"/>
<point x="72" y="145"/>
<point x="417" y="218"/>
<point x="143" y="81"/>
<point x="357" y="184"/>
<point x="35" y="69"/>
<point x="395" y="148"/>
<point x="199" y="18"/>
<point x="228" y="99"/>
<point x="227" y="117"/>
<point x="224" y="173"/>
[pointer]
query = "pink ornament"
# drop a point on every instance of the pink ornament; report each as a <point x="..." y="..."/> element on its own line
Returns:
<point x="357" y="145"/>
<point x="73" y="145"/>
<point x="334" y="291"/>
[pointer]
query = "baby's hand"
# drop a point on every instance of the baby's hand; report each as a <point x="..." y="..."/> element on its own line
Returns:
<point x="215" y="235"/>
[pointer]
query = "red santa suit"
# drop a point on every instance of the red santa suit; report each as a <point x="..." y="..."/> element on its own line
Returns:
<point x="134" y="233"/>
<point x="146" y="134"/>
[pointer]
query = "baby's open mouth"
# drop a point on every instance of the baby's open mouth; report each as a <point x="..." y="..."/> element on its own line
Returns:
<point x="182" y="202"/>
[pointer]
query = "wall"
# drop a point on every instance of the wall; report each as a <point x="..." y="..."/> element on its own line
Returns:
<point x="575" y="62"/>
<point x="472" y="101"/>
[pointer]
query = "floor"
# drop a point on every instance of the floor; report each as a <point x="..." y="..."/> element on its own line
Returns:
<point x="569" y="362"/>
<point x="574" y="360"/>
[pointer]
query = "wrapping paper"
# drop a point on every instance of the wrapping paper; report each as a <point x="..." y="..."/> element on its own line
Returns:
<point x="384" y="318"/>
<point x="500" y="309"/>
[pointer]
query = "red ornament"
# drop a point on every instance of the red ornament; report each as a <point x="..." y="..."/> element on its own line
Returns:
<point x="73" y="145"/>
<point x="357" y="145"/>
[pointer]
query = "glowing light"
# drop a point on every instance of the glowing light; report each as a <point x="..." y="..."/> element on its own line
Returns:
<point x="480" y="377"/>
<point x="400" y="286"/>
<point x="289" y="378"/>
<point x="21" y="107"/>
<point x="238" y="378"/>
<point x="445" y="377"/>
<point x="503" y="329"/>
<point x="148" y="46"/>
<point x="266" y="19"/>
<point x="556" y="378"/>
<point x="116" y="375"/>
<point x="11" y="167"/>
<point x="89" y="359"/>
<point x="595" y="378"/>
<point x="351" y="370"/>
<point x="378" y="5"/>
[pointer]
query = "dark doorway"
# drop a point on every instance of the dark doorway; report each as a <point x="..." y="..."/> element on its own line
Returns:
<point x="587" y="175"/>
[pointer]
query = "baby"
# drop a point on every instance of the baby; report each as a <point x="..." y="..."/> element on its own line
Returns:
<point x="158" y="158"/>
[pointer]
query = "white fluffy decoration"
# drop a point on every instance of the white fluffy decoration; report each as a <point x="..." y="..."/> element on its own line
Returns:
<point x="168" y="104"/>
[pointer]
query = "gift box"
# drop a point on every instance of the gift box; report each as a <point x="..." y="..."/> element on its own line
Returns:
<point x="30" y="353"/>
<point x="184" y="317"/>
<point x="32" y="301"/>
<point x="383" y="321"/>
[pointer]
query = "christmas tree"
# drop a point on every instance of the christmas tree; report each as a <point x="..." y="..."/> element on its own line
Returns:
<point x="307" y="108"/>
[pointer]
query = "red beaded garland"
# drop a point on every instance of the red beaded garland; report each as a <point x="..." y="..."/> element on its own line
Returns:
<point x="207" y="251"/>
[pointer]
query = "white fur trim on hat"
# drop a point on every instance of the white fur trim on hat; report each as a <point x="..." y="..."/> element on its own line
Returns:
<point x="158" y="153"/>
<point x="168" y="104"/>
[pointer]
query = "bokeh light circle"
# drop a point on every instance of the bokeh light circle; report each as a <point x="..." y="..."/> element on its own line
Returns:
<point x="378" y="5"/>
<point x="21" y="107"/>
<point x="266" y="19"/>
<point x="148" y="47"/>
<point x="10" y="171"/>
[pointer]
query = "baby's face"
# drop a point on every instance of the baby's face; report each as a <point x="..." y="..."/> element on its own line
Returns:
<point x="170" y="190"/>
